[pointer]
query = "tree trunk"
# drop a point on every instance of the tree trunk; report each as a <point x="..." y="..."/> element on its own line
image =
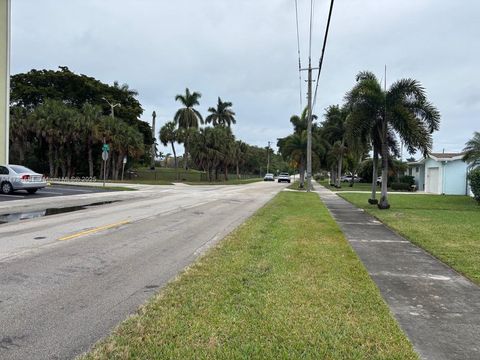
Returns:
<point x="90" y="160"/>
<point x="302" y="174"/>
<point x="225" y="172"/>
<point x="119" y="163"/>
<point x="51" y="160"/>
<point x="238" y="171"/>
<point x="175" y="160"/>
<point x="185" y="155"/>
<point x="383" y="204"/>
<point x="373" y="198"/>
<point x="113" y="165"/>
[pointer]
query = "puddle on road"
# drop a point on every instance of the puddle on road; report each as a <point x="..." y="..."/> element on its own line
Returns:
<point x="8" y="218"/>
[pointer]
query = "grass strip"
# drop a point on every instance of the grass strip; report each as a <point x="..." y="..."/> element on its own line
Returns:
<point x="228" y="182"/>
<point x="284" y="285"/>
<point x="445" y="226"/>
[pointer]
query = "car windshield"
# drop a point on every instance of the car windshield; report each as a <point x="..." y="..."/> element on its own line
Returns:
<point x="20" y="169"/>
<point x="268" y="174"/>
<point x="284" y="174"/>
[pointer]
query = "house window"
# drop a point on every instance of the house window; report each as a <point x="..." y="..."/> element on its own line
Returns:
<point x="410" y="171"/>
<point x="417" y="169"/>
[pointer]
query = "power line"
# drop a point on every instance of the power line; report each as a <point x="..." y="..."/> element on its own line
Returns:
<point x="299" y="57"/>
<point x="323" y="51"/>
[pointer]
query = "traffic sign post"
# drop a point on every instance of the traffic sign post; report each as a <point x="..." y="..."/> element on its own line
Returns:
<point x="105" y="150"/>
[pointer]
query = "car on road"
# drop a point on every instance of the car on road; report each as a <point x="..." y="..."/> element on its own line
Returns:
<point x="283" y="177"/>
<point x="379" y="180"/>
<point x="268" y="177"/>
<point x="17" y="177"/>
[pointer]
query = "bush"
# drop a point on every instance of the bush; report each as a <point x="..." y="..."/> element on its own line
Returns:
<point x="474" y="178"/>
<point x="407" y="179"/>
<point x="401" y="186"/>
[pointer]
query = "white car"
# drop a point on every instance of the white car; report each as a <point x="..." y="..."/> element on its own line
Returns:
<point x="268" y="177"/>
<point x="283" y="177"/>
<point x="16" y="177"/>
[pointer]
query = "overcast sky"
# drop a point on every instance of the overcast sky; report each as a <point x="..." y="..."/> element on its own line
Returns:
<point x="245" y="51"/>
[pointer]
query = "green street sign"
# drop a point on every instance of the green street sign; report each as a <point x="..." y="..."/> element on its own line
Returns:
<point x="105" y="148"/>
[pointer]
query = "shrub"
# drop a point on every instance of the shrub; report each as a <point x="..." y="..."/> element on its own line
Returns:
<point x="407" y="179"/>
<point x="401" y="186"/>
<point x="474" y="178"/>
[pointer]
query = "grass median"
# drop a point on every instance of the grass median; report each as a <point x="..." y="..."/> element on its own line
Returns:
<point x="445" y="226"/>
<point x="284" y="285"/>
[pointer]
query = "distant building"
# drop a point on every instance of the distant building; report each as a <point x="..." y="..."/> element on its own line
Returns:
<point x="441" y="173"/>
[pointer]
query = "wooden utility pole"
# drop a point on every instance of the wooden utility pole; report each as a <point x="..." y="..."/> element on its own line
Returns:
<point x="154" y="153"/>
<point x="309" y="128"/>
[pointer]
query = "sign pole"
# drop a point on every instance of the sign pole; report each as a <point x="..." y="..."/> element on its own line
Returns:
<point x="4" y="79"/>
<point x="105" y="150"/>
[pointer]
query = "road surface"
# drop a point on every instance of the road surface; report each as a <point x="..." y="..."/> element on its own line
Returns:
<point x="67" y="280"/>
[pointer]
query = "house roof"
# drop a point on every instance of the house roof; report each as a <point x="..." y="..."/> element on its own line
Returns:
<point x="439" y="157"/>
<point x="446" y="155"/>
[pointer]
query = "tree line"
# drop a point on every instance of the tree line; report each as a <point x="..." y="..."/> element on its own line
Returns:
<point x="213" y="148"/>
<point x="371" y="119"/>
<point x="59" y="120"/>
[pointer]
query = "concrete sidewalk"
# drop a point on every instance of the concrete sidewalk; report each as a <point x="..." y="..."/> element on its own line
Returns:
<point x="438" y="309"/>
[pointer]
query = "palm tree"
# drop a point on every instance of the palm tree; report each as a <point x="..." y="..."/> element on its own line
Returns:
<point x="294" y="147"/>
<point x="472" y="149"/>
<point x="168" y="134"/>
<point x="334" y="132"/>
<point x="188" y="117"/>
<point x="379" y="114"/>
<point x="91" y="117"/>
<point x="221" y="115"/>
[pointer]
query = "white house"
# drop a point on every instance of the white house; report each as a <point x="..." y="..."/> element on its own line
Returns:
<point x="441" y="173"/>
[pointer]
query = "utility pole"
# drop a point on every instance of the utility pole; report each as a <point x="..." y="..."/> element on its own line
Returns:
<point x="309" y="128"/>
<point x="154" y="153"/>
<point x="5" y="6"/>
<point x="268" y="157"/>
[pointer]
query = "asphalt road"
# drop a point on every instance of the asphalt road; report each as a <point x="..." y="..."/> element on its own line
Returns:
<point x="50" y="191"/>
<point x="67" y="280"/>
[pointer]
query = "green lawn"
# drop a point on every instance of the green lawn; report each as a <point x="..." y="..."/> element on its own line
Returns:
<point x="448" y="227"/>
<point x="356" y="187"/>
<point x="284" y="285"/>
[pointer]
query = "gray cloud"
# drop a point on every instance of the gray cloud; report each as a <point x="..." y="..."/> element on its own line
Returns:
<point x="245" y="52"/>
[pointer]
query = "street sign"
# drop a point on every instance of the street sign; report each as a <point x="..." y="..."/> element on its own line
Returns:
<point x="124" y="160"/>
<point x="105" y="148"/>
<point x="105" y="155"/>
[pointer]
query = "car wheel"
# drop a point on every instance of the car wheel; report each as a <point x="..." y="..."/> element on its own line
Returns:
<point x="32" y="191"/>
<point x="7" y="188"/>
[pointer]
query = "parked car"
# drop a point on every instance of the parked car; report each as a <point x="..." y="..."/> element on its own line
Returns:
<point x="348" y="178"/>
<point x="379" y="180"/>
<point x="16" y="177"/>
<point x="268" y="177"/>
<point x="283" y="177"/>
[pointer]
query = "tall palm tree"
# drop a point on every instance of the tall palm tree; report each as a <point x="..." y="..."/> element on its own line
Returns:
<point x="472" y="149"/>
<point x="221" y="115"/>
<point x="334" y="131"/>
<point x="379" y="114"/>
<point x="91" y="117"/>
<point x="188" y="117"/>
<point x="168" y="134"/>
